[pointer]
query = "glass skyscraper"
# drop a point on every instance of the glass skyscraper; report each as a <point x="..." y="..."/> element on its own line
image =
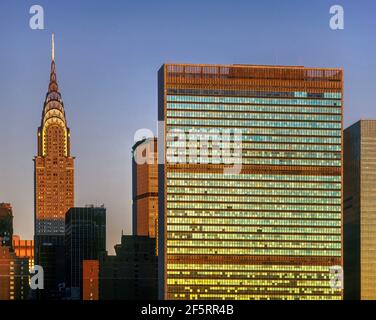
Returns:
<point x="273" y="229"/>
<point x="85" y="239"/>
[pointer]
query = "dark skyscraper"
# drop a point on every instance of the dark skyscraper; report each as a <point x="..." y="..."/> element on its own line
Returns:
<point x="50" y="254"/>
<point x="360" y="210"/>
<point x="6" y="224"/>
<point x="85" y="239"/>
<point x="54" y="186"/>
<point x="132" y="273"/>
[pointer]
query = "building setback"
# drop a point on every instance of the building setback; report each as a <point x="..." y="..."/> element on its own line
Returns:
<point x="360" y="210"/>
<point x="273" y="229"/>
<point x="85" y="239"/>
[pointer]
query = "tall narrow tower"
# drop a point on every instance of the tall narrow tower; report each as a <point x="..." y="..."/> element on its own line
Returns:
<point x="359" y="210"/>
<point x="54" y="166"/>
<point x="54" y="188"/>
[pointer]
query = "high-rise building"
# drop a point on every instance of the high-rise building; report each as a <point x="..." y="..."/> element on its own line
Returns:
<point x="14" y="275"/>
<point x="360" y="210"/>
<point x="24" y="249"/>
<point x="6" y="276"/>
<point x="6" y="224"/>
<point x="85" y="239"/>
<point x="131" y="274"/>
<point x="54" y="165"/>
<point x="145" y="188"/>
<point x="257" y="213"/>
<point x="14" y="270"/>
<point x="54" y="184"/>
<point x="50" y="254"/>
<point x="90" y="280"/>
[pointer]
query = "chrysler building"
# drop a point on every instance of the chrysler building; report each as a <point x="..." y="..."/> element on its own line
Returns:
<point x="54" y="165"/>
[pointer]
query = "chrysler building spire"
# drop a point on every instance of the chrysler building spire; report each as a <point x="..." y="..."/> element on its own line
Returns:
<point x="53" y="87"/>
<point x="53" y="48"/>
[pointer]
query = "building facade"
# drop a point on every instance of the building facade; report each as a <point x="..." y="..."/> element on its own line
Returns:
<point x="24" y="249"/>
<point x="6" y="224"/>
<point x="90" y="280"/>
<point x="14" y="270"/>
<point x="14" y="275"/>
<point x="360" y="210"/>
<point x="145" y="188"/>
<point x="250" y="190"/>
<point x="53" y="183"/>
<point x="85" y="239"/>
<point x="132" y="273"/>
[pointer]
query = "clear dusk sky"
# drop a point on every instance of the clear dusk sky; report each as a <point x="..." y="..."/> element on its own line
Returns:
<point x="107" y="57"/>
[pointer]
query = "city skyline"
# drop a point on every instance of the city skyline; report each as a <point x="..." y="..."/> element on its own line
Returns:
<point x="126" y="86"/>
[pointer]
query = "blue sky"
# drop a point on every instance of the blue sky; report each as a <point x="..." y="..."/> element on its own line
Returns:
<point x="107" y="57"/>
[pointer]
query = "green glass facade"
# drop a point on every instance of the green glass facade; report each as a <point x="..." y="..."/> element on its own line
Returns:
<point x="274" y="229"/>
